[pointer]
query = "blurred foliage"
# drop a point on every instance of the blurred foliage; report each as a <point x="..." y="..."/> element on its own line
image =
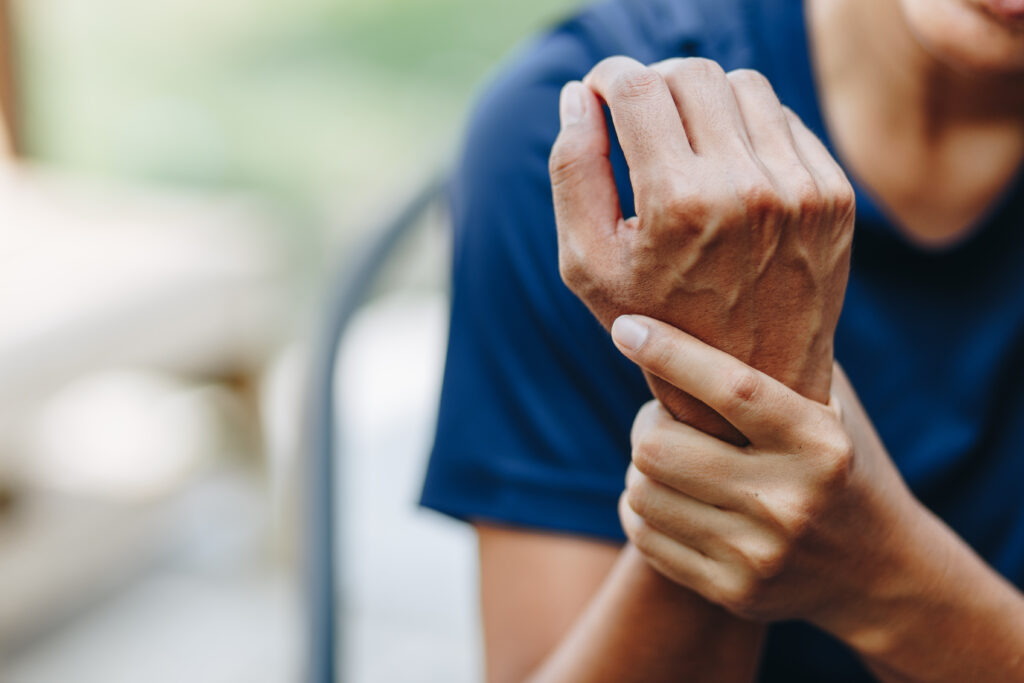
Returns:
<point x="321" y="104"/>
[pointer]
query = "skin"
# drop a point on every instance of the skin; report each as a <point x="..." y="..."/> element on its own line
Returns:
<point x="923" y="99"/>
<point x="740" y="212"/>
<point x="548" y="616"/>
<point x="926" y="115"/>
<point x="810" y="521"/>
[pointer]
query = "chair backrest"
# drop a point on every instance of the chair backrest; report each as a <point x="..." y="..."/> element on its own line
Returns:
<point x="323" y="630"/>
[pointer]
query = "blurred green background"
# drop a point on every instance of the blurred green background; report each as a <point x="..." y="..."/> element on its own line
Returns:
<point x="326" y="105"/>
<point x="196" y="170"/>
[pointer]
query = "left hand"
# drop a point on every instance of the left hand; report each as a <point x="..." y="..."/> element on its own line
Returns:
<point x="811" y="520"/>
<point x="744" y="220"/>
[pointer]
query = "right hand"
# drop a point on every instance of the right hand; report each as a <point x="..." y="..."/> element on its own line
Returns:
<point x="744" y="220"/>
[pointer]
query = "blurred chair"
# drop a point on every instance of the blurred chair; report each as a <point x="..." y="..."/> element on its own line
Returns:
<point x="325" y="570"/>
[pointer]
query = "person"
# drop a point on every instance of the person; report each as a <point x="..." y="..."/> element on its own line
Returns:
<point x="766" y="517"/>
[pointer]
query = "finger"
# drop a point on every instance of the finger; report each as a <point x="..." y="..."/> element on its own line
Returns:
<point x="582" y="183"/>
<point x="816" y="156"/>
<point x="645" y="117"/>
<point x="586" y="201"/>
<point x="706" y="105"/>
<point x="687" y="520"/>
<point x="768" y="128"/>
<point x="684" y="565"/>
<point x="647" y="419"/>
<point x="690" y="461"/>
<point x="834" y="186"/>
<point x="761" y="408"/>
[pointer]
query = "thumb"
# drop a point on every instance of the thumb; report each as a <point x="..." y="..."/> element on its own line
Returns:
<point x="582" y="184"/>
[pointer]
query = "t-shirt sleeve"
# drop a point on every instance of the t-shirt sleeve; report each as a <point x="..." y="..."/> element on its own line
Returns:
<point x="536" y="404"/>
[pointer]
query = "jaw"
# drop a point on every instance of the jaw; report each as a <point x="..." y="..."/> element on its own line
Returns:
<point x="979" y="38"/>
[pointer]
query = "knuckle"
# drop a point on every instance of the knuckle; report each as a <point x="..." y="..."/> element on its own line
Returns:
<point x="641" y="535"/>
<point x="679" y="198"/>
<point x="648" y="454"/>
<point x="575" y="267"/>
<point x="572" y="269"/>
<point x="669" y="188"/>
<point x="806" y="193"/>
<point x="615" y="64"/>
<point x="644" y="421"/>
<point x="676" y="207"/>
<point x="661" y="355"/>
<point x="668" y="67"/>
<point x="702" y="67"/>
<point x="741" y="386"/>
<point x="563" y="162"/>
<point x="843" y="197"/>
<point x="766" y="560"/>
<point x="740" y="594"/>
<point x="798" y="516"/>
<point x="749" y="78"/>
<point x="572" y="263"/>
<point x="757" y="196"/>
<point x="799" y="523"/>
<point x="652" y="411"/>
<point x="638" y="495"/>
<point x="636" y="83"/>
<point x="803" y="195"/>
<point x="791" y="116"/>
<point x="837" y="458"/>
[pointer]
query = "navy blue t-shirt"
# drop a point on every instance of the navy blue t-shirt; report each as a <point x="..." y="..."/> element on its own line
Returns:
<point x="533" y="428"/>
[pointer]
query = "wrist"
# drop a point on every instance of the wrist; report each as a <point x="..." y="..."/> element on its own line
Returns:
<point x="807" y="371"/>
<point x="910" y="572"/>
<point x="716" y="644"/>
<point x="934" y="596"/>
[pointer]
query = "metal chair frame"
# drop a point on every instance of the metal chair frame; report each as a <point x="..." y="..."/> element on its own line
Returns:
<point x="325" y="636"/>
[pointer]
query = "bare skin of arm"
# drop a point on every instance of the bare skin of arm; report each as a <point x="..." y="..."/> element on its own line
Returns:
<point x="558" y="608"/>
<point x="533" y="586"/>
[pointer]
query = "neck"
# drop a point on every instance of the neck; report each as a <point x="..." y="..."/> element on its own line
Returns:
<point x="934" y="146"/>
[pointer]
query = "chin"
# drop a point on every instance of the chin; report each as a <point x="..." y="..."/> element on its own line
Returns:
<point x="968" y="35"/>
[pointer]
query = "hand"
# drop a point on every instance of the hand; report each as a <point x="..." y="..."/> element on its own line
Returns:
<point x="743" y="227"/>
<point x="811" y="520"/>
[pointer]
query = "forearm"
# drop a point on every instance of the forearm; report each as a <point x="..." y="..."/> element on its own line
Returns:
<point x="949" y="618"/>
<point x="642" y="627"/>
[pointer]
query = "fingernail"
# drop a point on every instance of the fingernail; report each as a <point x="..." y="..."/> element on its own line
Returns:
<point x="570" y="104"/>
<point x="628" y="332"/>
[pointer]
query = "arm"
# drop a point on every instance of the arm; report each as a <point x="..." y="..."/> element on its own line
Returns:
<point x="558" y="608"/>
<point x="811" y="521"/>
<point x="957" y="619"/>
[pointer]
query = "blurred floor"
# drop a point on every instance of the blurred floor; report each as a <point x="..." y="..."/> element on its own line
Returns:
<point x="174" y="627"/>
<point x="410" y="578"/>
<point x="213" y="608"/>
